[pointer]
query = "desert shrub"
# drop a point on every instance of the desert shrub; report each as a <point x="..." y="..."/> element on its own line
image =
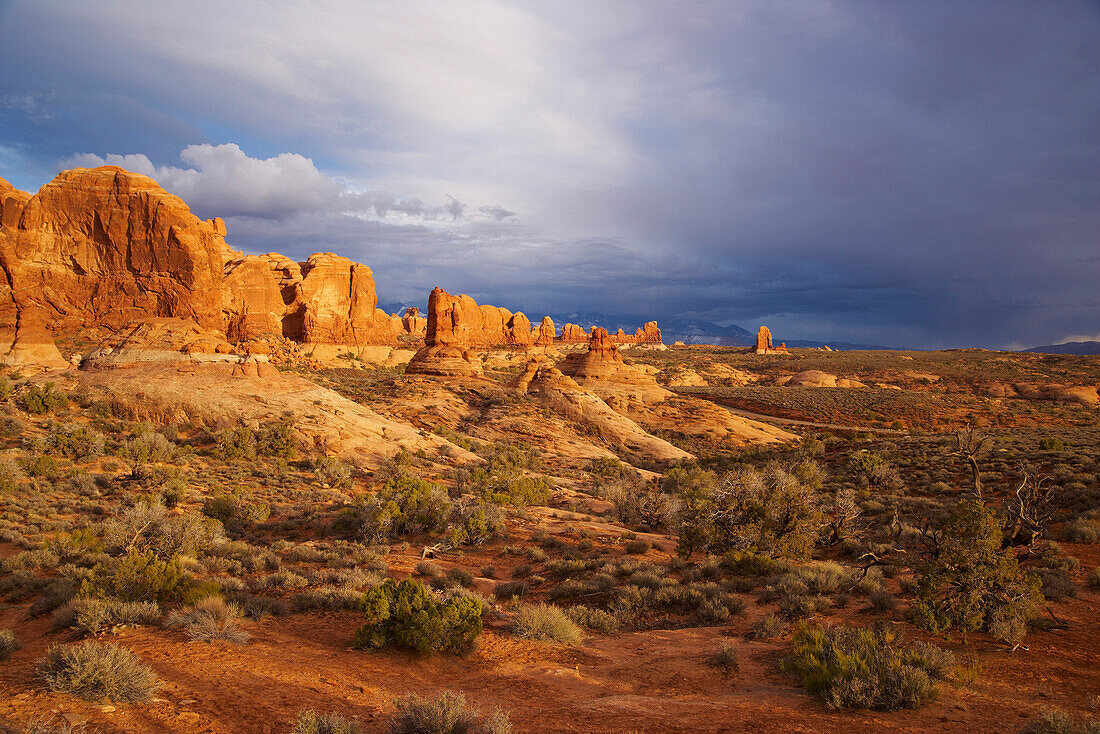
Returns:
<point x="95" y="616"/>
<point x="233" y="509"/>
<point x="276" y="439"/>
<point x="11" y="476"/>
<point x="331" y="471"/>
<point x="859" y="668"/>
<point x="773" y="512"/>
<point x="96" y="671"/>
<point x="75" y="441"/>
<point x="974" y="583"/>
<point x="874" y="470"/>
<point x="403" y="505"/>
<point x="725" y="658"/>
<point x="40" y="465"/>
<point x="137" y="576"/>
<point x="593" y="619"/>
<point x="209" y="619"/>
<point x="328" y="597"/>
<point x="1081" y="530"/>
<point x="510" y="589"/>
<point x="1051" y="444"/>
<point x="8" y="644"/>
<point x="42" y="399"/>
<point x="447" y="713"/>
<point x="545" y="622"/>
<point x="405" y="614"/>
<point x="147" y="446"/>
<point x="147" y="526"/>
<point x="475" y="523"/>
<point x="311" y="722"/>
<point x="1059" y="722"/>
<point x="429" y="569"/>
<point x="767" y="627"/>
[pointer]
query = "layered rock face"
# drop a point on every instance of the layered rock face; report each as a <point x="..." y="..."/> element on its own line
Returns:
<point x="647" y="334"/>
<point x="105" y="247"/>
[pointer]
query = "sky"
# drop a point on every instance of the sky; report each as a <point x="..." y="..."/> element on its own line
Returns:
<point x="914" y="174"/>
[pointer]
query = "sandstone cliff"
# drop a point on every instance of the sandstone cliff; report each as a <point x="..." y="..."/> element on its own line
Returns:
<point x="104" y="247"/>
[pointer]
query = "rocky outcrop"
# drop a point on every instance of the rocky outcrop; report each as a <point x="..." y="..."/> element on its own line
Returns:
<point x="518" y="331"/>
<point x="764" y="343"/>
<point x="162" y="340"/>
<point x="602" y="360"/>
<point x="1072" y="395"/>
<point x="648" y="334"/>
<point x="103" y="247"/>
<point x="328" y="299"/>
<point x="453" y="323"/>
<point x="413" y="324"/>
<point x="546" y="333"/>
<point x="571" y="333"/>
<point x="817" y="378"/>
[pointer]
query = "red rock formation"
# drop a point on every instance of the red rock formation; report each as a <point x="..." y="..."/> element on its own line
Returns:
<point x="573" y="333"/>
<point x="103" y="247"/>
<point x="518" y="332"/>
<point x="546" y="334"/>
<point x="764" y="343"/>
<point x="412" y="323"/>
<point x="453" y="322"/>
<point x="648" y="334"/>
<point x="600" y="361"/>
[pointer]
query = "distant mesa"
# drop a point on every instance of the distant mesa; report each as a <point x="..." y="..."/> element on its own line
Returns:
<point x="764" y="343"/>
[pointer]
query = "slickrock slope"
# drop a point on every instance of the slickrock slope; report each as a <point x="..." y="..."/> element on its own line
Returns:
<point x="103" y="247"/>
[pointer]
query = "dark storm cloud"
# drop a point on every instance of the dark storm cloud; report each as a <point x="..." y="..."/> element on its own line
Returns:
<point x="903" y="173"/>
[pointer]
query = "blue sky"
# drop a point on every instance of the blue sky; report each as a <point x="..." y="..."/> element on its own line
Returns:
<point x="914" y="174"/>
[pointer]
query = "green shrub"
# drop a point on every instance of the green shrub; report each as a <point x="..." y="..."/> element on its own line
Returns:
<point x="1051" y="444"/>
<point x="974" y="583"/>
<point x="403" y="505"/>
<point x="859" y="668"/>
<point x="510" y="589"/>
<point x="545" y="622"/>
<point x="137" y="576"/>
<point x="147" y="446"/>
<point x="40" y="465"/>
<point x="75" y="441"/>
<point x="447" y="713"/>
<point x="97" y="671"/>
<point x="42" y="399"/>
<point x="405" y="614"/>
<point x="310" y="722"/>
<point x="8" y="644"/>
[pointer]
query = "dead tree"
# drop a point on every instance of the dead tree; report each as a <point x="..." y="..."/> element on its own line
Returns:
<point x="970" y="445"/>
<point x="1030" y="509"/>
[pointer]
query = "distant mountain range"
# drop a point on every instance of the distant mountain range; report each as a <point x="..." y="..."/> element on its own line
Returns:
<point x="688" y="331"/>
<point x="1079" y="348"/>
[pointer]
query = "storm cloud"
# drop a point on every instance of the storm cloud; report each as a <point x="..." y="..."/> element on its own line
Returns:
<point x="913" y="174"/>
